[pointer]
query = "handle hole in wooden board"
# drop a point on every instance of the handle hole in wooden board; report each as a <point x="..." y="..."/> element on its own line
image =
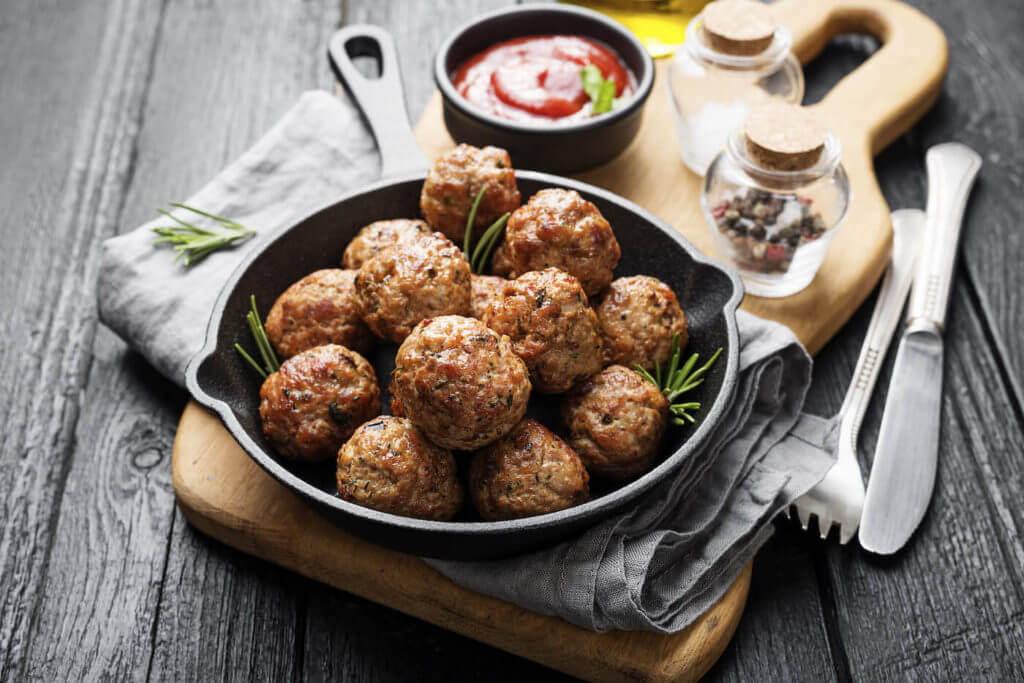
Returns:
<point x="841" y="56"/>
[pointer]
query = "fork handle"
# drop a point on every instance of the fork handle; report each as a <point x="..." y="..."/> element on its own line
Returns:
<point x="908" y="231"/>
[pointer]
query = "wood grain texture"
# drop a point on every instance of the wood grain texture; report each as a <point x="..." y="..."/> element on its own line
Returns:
<point x="82" y="118"/>
<point x="66" y="152"/>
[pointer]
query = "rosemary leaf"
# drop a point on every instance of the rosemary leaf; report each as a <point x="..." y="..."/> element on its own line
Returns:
<point x="193" y="242"/>
<point x="253" y="363"/>
<point x="467" y="241"/>
<point x="489" y="240"/>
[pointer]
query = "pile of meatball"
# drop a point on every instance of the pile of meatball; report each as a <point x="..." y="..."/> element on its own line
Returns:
<point x="551" y="319"/>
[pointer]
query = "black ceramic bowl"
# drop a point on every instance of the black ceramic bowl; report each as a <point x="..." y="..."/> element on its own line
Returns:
<point x="223" y="382"/>
<point x="560" y="148"/>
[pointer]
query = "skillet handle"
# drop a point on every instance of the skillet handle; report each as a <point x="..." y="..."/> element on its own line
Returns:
<point x="381" y="100"/>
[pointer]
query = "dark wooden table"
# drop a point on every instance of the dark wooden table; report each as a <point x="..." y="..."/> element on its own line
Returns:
<point x="111" y="107"/>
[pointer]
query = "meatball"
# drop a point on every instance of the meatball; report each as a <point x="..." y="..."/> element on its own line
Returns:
<point x="529" y="471"/>
<point x="311" y="406"/>
<point x="389" y="465"/>
<point x="460" y="382"/>
<point x="318" y="309"/>
<point x="379" y="235"/>
<point x="552" y="328"/>
<point x="484" y="288"/>
<point x="454" y="182"/>
<point x="411" y="281"/>
<point x="501" y="265"/>
<point x="615" y="421"/>
<point x="559" y="228"/>
<point x="639" y="316"/>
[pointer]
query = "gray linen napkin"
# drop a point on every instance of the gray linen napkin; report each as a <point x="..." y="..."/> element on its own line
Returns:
<point x="656" y="567"/>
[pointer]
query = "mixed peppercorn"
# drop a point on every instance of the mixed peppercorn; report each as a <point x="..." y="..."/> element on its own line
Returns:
<point x="766" y="229"/>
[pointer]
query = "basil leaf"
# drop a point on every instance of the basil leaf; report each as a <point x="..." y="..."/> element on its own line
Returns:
<point x="600" y="90"/>
<point x="592" y="80"/>
<point x="603" y="102"/>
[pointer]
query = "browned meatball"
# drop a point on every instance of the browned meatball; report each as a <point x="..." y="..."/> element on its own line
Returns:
<point x="484" y="289"/>
<point x="615" y="421"/>
<point x="379" y="235"/>
<point x="639" y="316"/>
<point x="311" y="406"/>
<point x="552" y="328"/>
<point x="501" y="264"/>
<point x="529" y="471"/>
<point x="389" y="465"/>
<point x="460" y="382"/>
<point x="454" y="181"/>
<point x="318" y="309"/>
<point x="559" y="228"/>
<point x="411" y="281"/>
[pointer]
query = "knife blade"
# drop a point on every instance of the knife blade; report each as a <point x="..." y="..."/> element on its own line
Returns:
<point x="906" y="457"/>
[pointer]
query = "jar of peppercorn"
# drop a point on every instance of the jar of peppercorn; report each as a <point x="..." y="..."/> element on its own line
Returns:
<point x="736" y="57"/>
<point x="775" y="197"/>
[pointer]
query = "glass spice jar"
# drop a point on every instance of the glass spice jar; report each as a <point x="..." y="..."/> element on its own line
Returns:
<point x="736" y="57"/>
<point x="775" y="198"/>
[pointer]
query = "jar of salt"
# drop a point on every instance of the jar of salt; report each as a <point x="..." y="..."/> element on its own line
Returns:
<point x="736" y="56"/>
<point x="775" y="197"/>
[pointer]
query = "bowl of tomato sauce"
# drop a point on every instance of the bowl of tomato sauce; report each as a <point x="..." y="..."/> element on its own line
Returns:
<point x="562" y="88"/>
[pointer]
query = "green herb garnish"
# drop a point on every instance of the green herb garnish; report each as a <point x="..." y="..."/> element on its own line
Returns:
<point x="485" y="247"/>
<point x="467" y="240"/>
<point x="263" y="347"/>
<point x="195" y="243"/>
<point x="480" y="256"/>
<point x="600" y="90"/>
<point x="679" y="380"/>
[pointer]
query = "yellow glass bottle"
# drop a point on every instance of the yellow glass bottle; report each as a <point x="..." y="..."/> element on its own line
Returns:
<point x="659" y="24"/>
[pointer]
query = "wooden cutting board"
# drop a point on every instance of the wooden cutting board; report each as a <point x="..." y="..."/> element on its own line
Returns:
<point x="223" y="493"/>
<point x="868" y="109"/>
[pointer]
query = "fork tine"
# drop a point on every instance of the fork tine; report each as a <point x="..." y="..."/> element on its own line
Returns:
<point x="846" y="532"/>
<point x="824" y="525"/>
<point x="805" y="517"/>
<point x="786" y="512"/>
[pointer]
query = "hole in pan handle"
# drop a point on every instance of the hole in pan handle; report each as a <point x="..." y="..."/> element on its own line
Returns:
<point x="381" y="100"/>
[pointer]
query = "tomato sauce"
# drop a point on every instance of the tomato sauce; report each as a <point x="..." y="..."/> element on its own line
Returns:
<point x="537" y="78"/>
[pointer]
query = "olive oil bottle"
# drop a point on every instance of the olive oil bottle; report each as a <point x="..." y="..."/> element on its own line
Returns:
<point x="659" y="24"/>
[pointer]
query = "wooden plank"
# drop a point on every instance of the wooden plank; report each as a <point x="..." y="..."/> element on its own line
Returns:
<point x="982" y="105"/>
<point x="221" y="75"/>
<point x="71" y="78"/>
<point x="949" y="605"/>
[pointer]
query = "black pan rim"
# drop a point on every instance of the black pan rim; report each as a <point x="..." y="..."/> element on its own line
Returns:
<point x="645" y="80"/>
<point x="471" y="529"/>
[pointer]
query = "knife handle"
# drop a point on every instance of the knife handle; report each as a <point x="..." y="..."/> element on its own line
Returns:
<point x="952" y="168"/>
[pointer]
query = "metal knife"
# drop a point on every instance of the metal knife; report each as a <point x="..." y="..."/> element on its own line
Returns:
<point x="903" y="472"/>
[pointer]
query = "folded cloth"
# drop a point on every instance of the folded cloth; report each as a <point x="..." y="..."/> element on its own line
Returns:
<point x="656" y="567"/>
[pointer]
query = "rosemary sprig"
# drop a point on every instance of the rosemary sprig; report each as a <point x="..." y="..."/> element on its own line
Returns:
<point x="488" y="241"/>
<point x="195" y="243"/>
<point x="263" y="347"/>
<point x="677" y="380"/>
<point x="467" y="240"/>
<point x="480" y="256"/>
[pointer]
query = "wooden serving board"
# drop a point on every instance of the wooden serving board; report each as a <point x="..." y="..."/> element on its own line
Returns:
<point x="868" y="109"/>
<point x="225" y="494"/>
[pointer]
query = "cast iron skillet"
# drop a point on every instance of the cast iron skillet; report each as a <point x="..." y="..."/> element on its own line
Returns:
<point x="221" y="381"/>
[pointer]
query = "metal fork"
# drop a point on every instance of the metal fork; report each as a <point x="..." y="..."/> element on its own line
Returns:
<point x="839" y="497"/>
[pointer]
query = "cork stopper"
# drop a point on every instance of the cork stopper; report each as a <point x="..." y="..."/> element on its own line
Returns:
<point x="738" y="27"/>
<point x="784" y="137"/>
